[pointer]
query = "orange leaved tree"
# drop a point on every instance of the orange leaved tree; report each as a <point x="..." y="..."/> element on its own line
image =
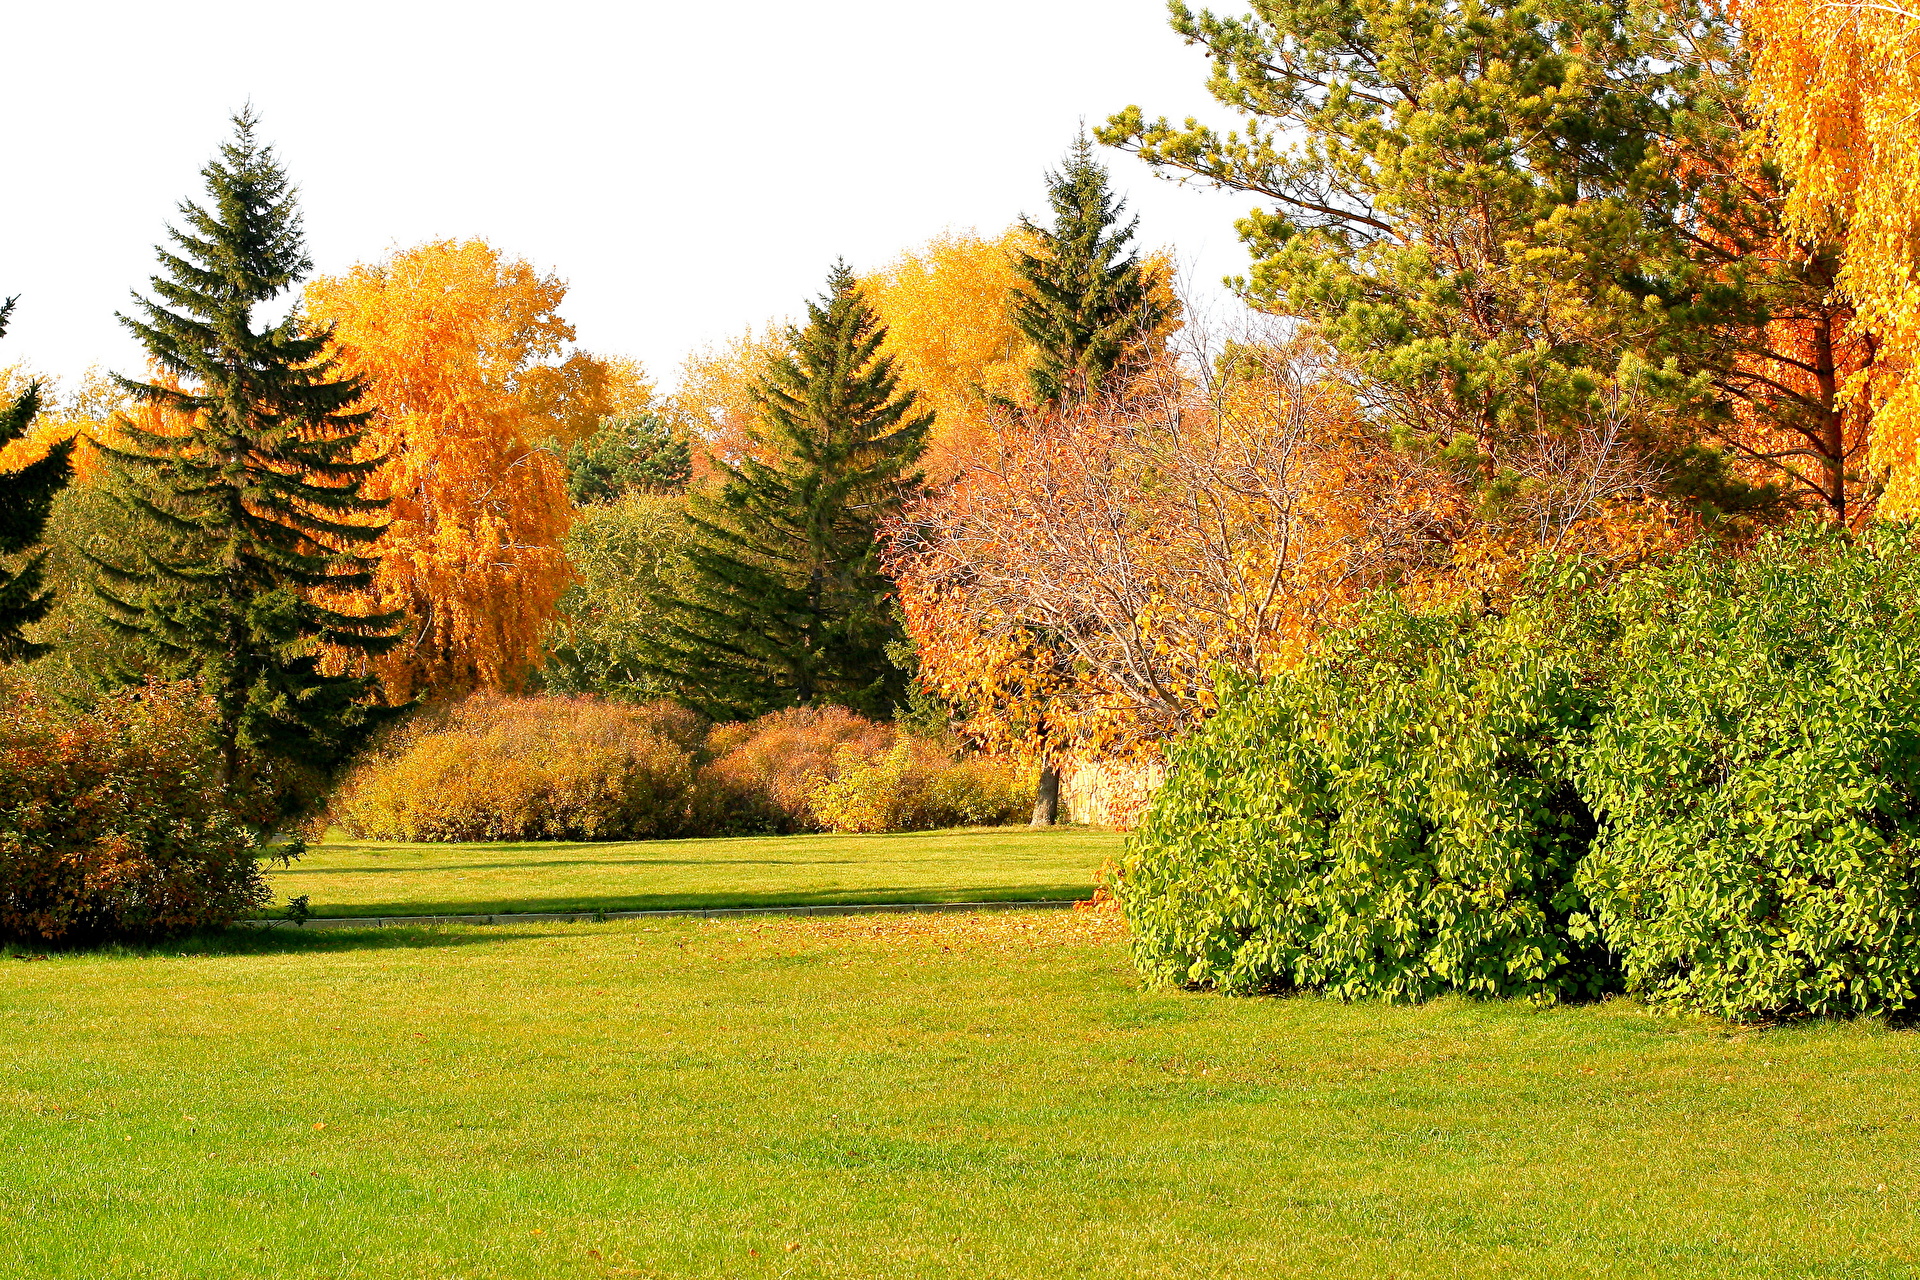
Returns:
<point x="1837" y="83"/>
<point x="1086" y="576"/>
<point x="458" y="345"/>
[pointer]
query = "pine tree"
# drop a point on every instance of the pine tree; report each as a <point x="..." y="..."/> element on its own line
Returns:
<point x="26" y="496"/>
<point x="245" y="462"/>
<point x="1475" y="206"/>
<point x="789" y="606"/>
<point x="639" y="453"/>
<point x="1084" y="300"/>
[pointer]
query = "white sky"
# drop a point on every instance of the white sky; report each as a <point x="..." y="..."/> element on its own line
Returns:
<point x="690" y="169"/>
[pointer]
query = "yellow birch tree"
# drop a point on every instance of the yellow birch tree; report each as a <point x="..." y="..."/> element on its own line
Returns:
<point x="460" y="346"/>
<point x="1838" y="86"/>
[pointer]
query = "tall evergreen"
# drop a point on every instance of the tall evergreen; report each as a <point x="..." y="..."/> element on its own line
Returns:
<point x="1084" y="300"/>
<point x="788" y="605"/>
<point x="1087" y="305"/>
<point x="249" y="479"/>
<point x="26" y="496"/>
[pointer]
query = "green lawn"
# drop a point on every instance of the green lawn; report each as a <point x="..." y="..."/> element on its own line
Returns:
<point x="983" y="864"/>
<point x="933" y="1096"/>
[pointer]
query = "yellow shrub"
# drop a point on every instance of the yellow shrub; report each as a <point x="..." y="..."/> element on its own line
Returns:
<point x="916" y="786"/>
<point x="527" y="769"/>
<point x="494" y="768"/>
<point x="765" y="771"/>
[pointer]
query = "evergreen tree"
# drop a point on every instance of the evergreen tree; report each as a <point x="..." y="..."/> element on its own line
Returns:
<point x="26" y="496"/>
<point x="1084" y="300"/>
<point x="788" y="605"/>
<point x="641" y="454"/>
<point x="247" y="469"/>
<point x="1510" y="218"/>
<point x="1087" y="304"/>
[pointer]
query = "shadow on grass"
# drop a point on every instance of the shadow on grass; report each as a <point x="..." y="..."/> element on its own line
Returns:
<point x="296" y="870"/>
<point x="246" y="941"/>
<point x="711" y="901"/>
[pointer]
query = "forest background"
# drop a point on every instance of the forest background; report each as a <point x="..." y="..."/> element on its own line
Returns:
<point x="1540" y="294"/>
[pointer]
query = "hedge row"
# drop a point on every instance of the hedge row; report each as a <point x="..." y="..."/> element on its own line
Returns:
<point x="1698" y="785"/>
<point x="561" y="768"/>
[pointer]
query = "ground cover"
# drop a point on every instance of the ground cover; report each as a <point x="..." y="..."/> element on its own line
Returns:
<point x="987" y="1096"/>
<point x="347" y="878"/>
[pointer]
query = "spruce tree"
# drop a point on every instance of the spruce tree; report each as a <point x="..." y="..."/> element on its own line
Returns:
<point x="1087" y="305"/>
<point x="249" y="478"/>
<point x="637" y="454"/>
<point x="1085" y="301"/>
<point x="788" y="605"/>
<point x="26" y="496"/>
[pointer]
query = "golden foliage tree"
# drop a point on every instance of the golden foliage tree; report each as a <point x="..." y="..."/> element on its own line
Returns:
<point x="575" y="396"/>
<point x="86" y="412"/>
<point x="1838" y="84"/>
<point x="715" y="403"/>
<point x="949" y="311"/>
<point x="459" y="345"/>
<point x="947" y="308"/>
<point x="1084" y="580"/>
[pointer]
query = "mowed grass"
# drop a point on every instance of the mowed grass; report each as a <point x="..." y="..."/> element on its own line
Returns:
<point x="934" y="1096"/>
<point x="344" y="878"/>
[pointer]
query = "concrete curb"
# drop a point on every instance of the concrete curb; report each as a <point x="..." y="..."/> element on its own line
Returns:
<point x="695" y="913"/>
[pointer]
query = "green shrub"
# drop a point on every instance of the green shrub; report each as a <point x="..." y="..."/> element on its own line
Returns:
<point x="1711" y="770"/>
<point x="1758" y="780"/>
<point x="112" y="822"/>
<point x="1396" y="818"/>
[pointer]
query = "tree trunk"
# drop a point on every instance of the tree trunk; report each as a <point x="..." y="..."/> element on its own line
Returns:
<point x="1833" y="440"/>
<point x="1046" y="804"/>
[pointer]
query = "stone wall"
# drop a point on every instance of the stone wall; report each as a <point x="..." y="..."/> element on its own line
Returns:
<point x="1107" y="793"/>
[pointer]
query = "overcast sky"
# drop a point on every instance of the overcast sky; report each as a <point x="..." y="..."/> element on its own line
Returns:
<point x="690" y="169"/>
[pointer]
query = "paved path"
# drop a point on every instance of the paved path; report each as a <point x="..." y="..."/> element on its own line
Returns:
<point x="698" y="913"/>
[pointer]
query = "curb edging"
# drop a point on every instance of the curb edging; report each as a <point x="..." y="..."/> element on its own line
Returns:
<point x="695" y="913"/>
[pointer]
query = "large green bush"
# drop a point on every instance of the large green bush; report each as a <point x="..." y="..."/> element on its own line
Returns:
<point x="1758" y="777"/>
<point x="1396" y="818"/>
<point x="1702" y="783"/>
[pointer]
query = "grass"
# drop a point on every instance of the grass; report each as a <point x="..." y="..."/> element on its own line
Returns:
<point x="900" y="1097"/>
<point x="343" y="878"/>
